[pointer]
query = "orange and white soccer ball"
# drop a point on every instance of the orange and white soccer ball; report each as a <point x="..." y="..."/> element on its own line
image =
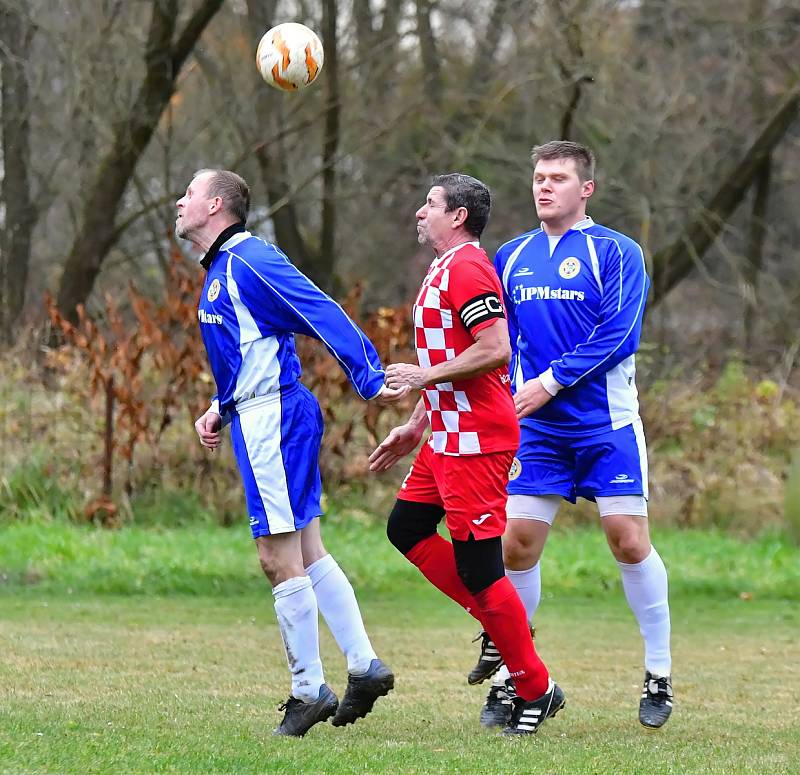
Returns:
<point x="289" y="56"/>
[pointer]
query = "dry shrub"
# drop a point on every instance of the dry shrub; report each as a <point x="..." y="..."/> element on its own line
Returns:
<point x="719" y="445"/>
<point x="139" y="370"/>
<point x="719" y="456"/>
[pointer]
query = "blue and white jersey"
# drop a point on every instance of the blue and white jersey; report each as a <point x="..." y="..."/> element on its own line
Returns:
<point x="575" y="306"/>
<point x="253" y="302"/>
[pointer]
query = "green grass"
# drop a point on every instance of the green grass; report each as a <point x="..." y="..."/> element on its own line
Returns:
<point x="191" y="685"/>
<point x="208" y="560"/>
<point x="144" y="651"/>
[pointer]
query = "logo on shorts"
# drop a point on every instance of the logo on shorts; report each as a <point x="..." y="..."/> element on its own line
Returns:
<point x="481" y="519"/>
<point x="621" y="479"/>
<point x="570" y="267"/>
<point x="253" y="521"/>
<point x="213" y="290"/>
<point x="515" y="470"/>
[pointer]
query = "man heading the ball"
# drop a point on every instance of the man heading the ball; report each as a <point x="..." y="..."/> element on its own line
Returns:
<point x="253" y="302"/>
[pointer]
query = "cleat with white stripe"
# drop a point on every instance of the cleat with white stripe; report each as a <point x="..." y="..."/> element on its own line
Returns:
<point x="655" y="706"/>
<point x="489" y="661"/>
<point x="528" y="715"/>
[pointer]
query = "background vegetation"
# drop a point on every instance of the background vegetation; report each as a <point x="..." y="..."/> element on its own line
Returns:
<point x="136" y="633"/>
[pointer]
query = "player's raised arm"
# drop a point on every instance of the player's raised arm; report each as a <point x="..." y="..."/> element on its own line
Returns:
<point x="275" y="288"/>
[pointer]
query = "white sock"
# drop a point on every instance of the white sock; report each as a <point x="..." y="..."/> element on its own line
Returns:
<point x="645" y="585"/>
<point x="296" y="609"/>
<point x="528" y="584"/>
<point x="339" y="607"/>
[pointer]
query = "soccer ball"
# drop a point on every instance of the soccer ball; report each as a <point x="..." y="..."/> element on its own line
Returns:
<point x="289" y="56"/>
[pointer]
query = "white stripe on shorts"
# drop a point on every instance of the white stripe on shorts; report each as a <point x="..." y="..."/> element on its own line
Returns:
<point x="260" y="420"/>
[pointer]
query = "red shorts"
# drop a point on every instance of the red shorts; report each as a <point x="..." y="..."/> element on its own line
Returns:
<point x="470" y="488"/>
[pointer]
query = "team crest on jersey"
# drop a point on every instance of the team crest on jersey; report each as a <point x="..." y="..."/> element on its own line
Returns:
<point x="213" y="290"/>
<point x="515" y="470"/>
<point x="569" y="268"/>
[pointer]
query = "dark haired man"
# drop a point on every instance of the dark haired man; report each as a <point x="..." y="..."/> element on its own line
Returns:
<point x="575" y="293"/>
<point x="252" y="304"/>
<point x="462" y="471"/>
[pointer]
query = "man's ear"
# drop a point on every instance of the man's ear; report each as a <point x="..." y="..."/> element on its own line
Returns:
<point x="587" y="189"/>
<point x="215" y="206"/>
<point x="460" y="216"/>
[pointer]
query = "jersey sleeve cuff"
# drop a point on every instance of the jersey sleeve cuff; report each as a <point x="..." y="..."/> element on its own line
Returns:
<point x="214" y="407"/>
<point x="549" y="382"/>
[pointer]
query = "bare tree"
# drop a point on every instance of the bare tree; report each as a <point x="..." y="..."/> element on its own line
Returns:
<point x="16" y="33"/>
<point x="674" y="262"/>
<point x="330" y="145"/>
<point x="164" y="58"/>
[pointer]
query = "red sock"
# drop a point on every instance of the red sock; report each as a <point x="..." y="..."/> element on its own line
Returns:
<point x="503" y="617"/>
<point x="435" y="558"/>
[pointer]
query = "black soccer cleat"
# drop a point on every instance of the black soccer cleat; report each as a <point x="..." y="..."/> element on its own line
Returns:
<point x="655" y="706"/>
<point x="362" y="691"/>
<point x="489" y="661"/>
<point x="528" y="715"/>
<point x="496" y="711"/>
<point x="301" y="716"/>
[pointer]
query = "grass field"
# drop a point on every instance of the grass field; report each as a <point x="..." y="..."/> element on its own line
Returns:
<point x="180" y="669"/>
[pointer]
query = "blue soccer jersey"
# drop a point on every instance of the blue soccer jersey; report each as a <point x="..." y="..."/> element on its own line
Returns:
<point x="253" y="302"/>
<point x="575" y="307"/>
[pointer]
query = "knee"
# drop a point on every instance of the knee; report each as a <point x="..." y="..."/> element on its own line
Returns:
<point x="278" y="566"/>
<point x="629" y="546"/>
<point x="519" y="551"/>
<point x="270" y="567"/>
<point x="479" y="563"/>
<point x="522" y="546"/>
<point x="409" y="523"/>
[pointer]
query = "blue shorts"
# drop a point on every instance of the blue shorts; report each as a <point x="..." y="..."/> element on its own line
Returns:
<point x="612" y="463"/>
<point x="276" y="441"/>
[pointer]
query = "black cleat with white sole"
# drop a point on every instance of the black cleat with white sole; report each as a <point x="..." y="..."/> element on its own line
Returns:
<point x="655" y="705"/>
<point x="489" y="661"/>
<point x="528" y="715"/>
<point x="496" y="711"/>
<point x="301" y="716"/>
<point x="362" y="691"/>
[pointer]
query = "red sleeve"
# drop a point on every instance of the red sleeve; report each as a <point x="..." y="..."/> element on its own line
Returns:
<point x="474" y="293"/>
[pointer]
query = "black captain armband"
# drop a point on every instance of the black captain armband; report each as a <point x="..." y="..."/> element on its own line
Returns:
<point x="480" y="309"/>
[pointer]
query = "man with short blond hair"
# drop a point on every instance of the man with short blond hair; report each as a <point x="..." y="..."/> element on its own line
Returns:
<point x="575" y="292"/>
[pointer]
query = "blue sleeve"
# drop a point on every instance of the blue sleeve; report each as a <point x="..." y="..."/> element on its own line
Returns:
<point x="616" y="335"/>
<point x="281" y="298"/>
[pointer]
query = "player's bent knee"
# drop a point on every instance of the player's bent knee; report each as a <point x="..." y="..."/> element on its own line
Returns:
<point x="479" y="563"/>
<point x="520" y="554"/>
<point x="629" y="545"/>
<point x="411" y="522"/>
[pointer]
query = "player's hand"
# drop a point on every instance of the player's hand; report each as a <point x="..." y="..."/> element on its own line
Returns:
<point x="530" y="397"/>
<point x="400" y="442"/>
<point x="401" y="374"/>
<point x="208" y="428"/>
<point x="389" y="395"/>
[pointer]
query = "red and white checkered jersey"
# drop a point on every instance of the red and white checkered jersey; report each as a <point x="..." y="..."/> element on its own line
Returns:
<point x="475" y="415"/>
